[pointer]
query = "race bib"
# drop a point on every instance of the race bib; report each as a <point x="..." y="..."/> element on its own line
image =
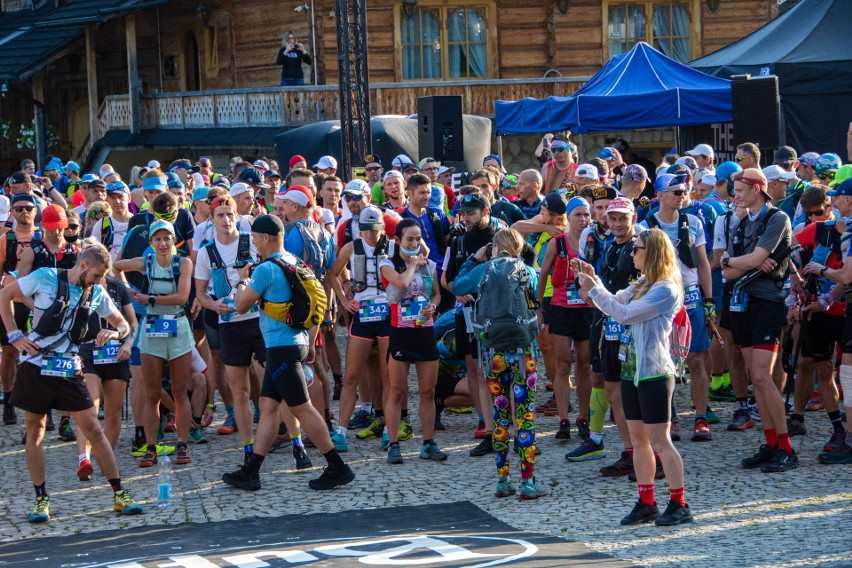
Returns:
<point x="58" y="366"/>
<point x="612" y="330"/>
<point x="107" y="354"/>
<point x="409" y="308"/>
<point x="739" y="301"/>
<point x="572" y="296"/>
<point x="691" y="297"/>
<point x="373" y="310"/>
<point x="161" y="326"/>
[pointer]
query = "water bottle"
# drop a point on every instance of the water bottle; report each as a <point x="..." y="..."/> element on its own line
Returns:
<point x="164" y="487"/>
<point x="420" y="319"/>
<point x="309" y="374"/>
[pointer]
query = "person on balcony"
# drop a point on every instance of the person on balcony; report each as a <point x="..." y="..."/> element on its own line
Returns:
<point x="290" y="58"/>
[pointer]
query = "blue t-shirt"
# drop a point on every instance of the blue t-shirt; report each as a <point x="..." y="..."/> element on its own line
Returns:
<point x="269" y="282"/>
<point x="428" y="233"/>
<point x="295" y="244"/>
<point x="529" y="211"/>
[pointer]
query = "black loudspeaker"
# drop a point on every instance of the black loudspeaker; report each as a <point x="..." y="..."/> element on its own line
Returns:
<point x="440" y="131"/>
<point x="757" y="110"/>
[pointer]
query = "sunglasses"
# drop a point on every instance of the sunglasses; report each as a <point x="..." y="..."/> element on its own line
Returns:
<point x="635" y="248"/>
<point x="826" y="175"/>
<point x="373" y="169"/>
<point x="72" y="227"/>
<point x="558" y="150"/>
<point x="816" y="213"/>
<point x="26" y="208"/>
<point x="350" y="197"/>
<point x="677" y="192"/>
<point x="741" y="158"/>
<point x="507" y="187"/>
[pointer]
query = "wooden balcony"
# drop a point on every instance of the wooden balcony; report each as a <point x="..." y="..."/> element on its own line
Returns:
<point x="288" y="107"/>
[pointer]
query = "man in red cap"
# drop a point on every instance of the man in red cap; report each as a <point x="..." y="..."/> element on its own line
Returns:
<point x="297" y="162"/>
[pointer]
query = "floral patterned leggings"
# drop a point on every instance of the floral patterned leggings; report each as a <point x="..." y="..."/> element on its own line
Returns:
<point x="512" y="377"/>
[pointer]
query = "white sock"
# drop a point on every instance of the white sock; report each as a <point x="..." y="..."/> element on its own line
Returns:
<point x="367" y="407"/>
<point x="385" y="431"/>
<point x="82" y="457"/>
<point x="597" y="437"/>
<point x="341" y="430"/>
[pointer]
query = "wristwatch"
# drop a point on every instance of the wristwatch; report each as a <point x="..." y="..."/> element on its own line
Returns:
<point x="822" y="270"/>
<point x="152" y="301"/>
<point x="726" y="261"/>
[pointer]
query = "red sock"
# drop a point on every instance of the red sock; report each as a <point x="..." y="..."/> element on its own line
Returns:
<point x="771" y="438"/>
<point x="784" y="443"/>
<point x="677" y="495"/>
<point x="629" y="452"/>
<point x="646" y="494"/>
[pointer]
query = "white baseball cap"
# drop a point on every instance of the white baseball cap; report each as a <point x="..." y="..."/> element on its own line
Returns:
<point x="153" y="164"/>
<point x="325" y="163"/>
<point x="775" y="172"/>
<point x="587" y="171"/>
<point x="5" y="208"/>
<point x="239" y="188"/>
<point x="709" y="179"/>
<point x="701" y="150"/>
<point x="444" y="169"/>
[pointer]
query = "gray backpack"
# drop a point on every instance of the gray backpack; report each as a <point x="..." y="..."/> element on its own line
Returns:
<point x="504" y="316"/>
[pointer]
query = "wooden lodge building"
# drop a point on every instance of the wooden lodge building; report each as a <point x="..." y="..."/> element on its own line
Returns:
<point x="127" y="80"/>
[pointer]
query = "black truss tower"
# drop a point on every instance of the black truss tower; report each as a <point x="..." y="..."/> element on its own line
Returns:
<point x="354" y="87"/>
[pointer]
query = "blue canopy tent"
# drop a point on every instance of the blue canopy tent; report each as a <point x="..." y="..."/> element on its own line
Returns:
<point x="639" y="89"/>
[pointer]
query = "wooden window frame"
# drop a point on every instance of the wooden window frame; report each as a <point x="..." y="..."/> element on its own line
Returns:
<point x="694" y="23"/>
<point x="492" y="57"/>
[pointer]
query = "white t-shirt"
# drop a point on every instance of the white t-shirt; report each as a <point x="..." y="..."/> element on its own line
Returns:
<point x="119" y="230"/>
<point x="229" y="259"/>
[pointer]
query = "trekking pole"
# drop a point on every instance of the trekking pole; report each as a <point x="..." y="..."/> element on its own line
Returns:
<point x="790" y="385"/>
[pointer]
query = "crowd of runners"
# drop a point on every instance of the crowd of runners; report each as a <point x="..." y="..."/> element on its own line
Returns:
<point x="197" y="293"/>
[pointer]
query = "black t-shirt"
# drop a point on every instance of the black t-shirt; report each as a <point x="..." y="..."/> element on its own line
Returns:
<point x="184" y="227"/>
<point x="120" y="296"/>
<point x="617" y="269"/>
<point x="291" y="63"/>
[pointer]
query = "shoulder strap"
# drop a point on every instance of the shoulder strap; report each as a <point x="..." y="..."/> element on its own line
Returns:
<point x="213" y="254"/>
<point x="358" y="247"/>
<point x="561" y="246"/>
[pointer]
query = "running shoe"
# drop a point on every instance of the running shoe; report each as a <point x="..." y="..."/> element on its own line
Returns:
<point x="723" y="394"/>
<point x="504" y="487"/>
<point x="586" y="451"/>
<point x="137" y="451"/>
<point x="242" y="479"/>
<point x="460" y="409"/>
<point x="583" y="428"/>
<point x="84" y="472"/>
<point x="676" y="514"/>
<point x="394" y="454"/>
<point x="332" y="478"/>
<point x="41" y="513"/>
<point x="622" y="466"/>
<point x="431" y="451"/>
<point x="531" y="489"/>
<point x="170" y="423"/>
<point x="711" y="416"/>
<point x="197" y="436"/>
<point x="674" y="431"/>
<point x="781" y="461"/>
<point x="9" y="416"/>
<point x="374" y="430"/>
<point x="815" y="403"/>
<point x="148" y="460"/>
<point x="361" y="419"/>
<point x="301" y="457"/>
<point x="279" y="442"/>
<point x="564" y="431"/>
<point x="405" y="431"/>
<point x="483" y="448"/>
<point x="701" y="431"/>
<point x="741" y="421"/>
<point x="100" y="413"/>
<point x="229" y="426"/>
<point x="339" y="441"/>
<point x="840" y="455"/>
<point x="66" y="432"/>
<point x="385" y="441"/>
<point x="480" y="432"/>
<point x="641" y="513"/>
<point x="763" y="455"/>
<point x="183" y="455"/>
<point x="125" y="504"/>
<point x="550" y="404"/>
<point x="837" y="440"/>
<point x="796" y="427"/>
<point x="658" y="473"/>
<point x="548" y="386"/>
<point x="50" y="425"/>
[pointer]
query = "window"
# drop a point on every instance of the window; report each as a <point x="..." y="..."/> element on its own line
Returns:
<point x="445" y="42"/>
<point x="665" y="25"/>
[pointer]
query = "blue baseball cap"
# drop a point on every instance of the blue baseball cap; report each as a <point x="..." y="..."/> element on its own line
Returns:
<point x="726" y="170"/>
<point x="154" y="183"/>
<point x="172" y="180"/>
<point x="23" y="197"/>
<point x="88" y="178"/>
<point x="54" y="165"/>
<point x="843" y="188"/>
<point x="160" y="225"/>
<point x="73" y="166"/>
<point x="117" y="187"/>
<point x="607" y="153"/>
<point x="200" y="193"/>
<point x="667" y="181"/>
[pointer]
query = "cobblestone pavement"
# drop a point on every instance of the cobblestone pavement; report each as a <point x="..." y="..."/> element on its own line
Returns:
<point x="742" y="518"/>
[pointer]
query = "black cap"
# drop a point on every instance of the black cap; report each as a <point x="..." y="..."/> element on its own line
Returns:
<point x="268" y="225"/>
<point x="183" y="165"/>
<point x="370" y="158"/>
<point x="472" y="202"/>
<point x="604" y="192"/>
<point x="555" y="203"/>
<point x="271" y="174"/>
<point x="785" y="155"/>
<point x="20" y="177"/>
<point x="253" y="177"/>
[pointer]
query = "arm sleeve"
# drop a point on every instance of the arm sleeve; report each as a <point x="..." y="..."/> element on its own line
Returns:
<point x="467" y="280"/>
<point x="659" y="300"/>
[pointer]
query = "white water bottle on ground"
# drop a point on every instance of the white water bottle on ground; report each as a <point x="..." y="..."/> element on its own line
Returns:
<point x="164" y="486"/>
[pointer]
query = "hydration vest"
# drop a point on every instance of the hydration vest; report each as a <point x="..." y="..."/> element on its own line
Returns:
<point x="686" y="244"/>
<point x="12" y="242"/>
<point x="218" y="270"/>
<point x="359" y="263"/>
<point x="617" y="269"/>
<point x="53" y="318"/>
<point x="779" y="274"/>
<point x="43" y="258"/>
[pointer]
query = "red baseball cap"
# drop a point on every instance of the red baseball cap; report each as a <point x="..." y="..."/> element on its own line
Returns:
<point x="222" y="201"/>
<point x="300" y="195"/>
<point x="296" y="159"/>
<point x="53" y="217"/>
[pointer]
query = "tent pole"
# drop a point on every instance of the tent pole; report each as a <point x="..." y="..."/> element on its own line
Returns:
<point x="581" y="151"/>
<point x="677" y="140"/>
<point x="500" y="147"/>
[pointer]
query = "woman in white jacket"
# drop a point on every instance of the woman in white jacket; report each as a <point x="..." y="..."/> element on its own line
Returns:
<point x="646" y="309"/>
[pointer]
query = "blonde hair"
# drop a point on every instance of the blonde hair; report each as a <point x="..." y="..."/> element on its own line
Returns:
<point x="96" y="208"/>
<point x="509" y="241"/>
<point x="660" y="262"/>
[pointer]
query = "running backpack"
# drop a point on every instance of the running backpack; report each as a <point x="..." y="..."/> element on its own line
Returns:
<point x="504" y="317"/>
<point x="306" y="308"/>
<point x="680" y="338"/>
<point x="314" y="253"/>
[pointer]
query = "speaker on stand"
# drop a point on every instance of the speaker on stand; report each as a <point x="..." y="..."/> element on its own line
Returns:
<point x="756" y="105"/>
<point x="440" y="131"/>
